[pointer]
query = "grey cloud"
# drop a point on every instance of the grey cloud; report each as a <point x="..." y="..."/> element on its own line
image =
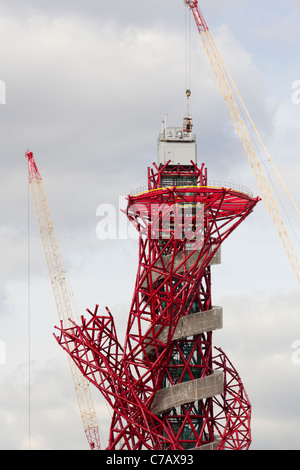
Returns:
<point x="87" y="86"/>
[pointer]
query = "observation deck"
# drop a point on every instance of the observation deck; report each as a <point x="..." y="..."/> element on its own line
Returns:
<point x="211" y="185"/>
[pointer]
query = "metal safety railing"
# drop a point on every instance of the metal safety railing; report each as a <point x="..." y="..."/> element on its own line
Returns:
<point x="210" y="184"/>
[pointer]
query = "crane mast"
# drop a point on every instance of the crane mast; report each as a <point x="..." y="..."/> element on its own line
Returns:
<point x="63" y="297"/>
<point x="226" y="84"/>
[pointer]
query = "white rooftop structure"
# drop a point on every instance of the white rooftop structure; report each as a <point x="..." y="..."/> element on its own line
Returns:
<point x="177" y="144"/>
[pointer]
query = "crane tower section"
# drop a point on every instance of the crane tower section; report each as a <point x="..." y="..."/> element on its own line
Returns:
<point x="247" y="131"/>
<point x="62" y="296"/>
<point x="169" y="389"/>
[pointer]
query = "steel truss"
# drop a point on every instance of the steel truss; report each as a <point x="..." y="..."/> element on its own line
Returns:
<point x="165" y="386"/>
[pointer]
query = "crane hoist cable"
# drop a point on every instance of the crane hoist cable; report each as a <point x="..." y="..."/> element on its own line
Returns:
<point x="64" y="297"/>
<point x="188" y="61"/>
<point x="227" y="84"/>
<point x="256" y="131"/>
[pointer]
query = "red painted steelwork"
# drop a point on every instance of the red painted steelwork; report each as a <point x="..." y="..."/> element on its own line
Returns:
<point x="173" y="280"/>
<point x="33" y="171"/>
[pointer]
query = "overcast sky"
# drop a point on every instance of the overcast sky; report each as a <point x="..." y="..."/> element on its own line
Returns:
<point x="86" y="87"/>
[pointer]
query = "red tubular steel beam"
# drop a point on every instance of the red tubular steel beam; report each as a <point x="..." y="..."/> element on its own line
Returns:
<point x="173" y="283"/>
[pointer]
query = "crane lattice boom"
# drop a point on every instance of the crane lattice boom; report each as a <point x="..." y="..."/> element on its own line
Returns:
<point x="226" y="84"/>
<point x="63" y="296"/>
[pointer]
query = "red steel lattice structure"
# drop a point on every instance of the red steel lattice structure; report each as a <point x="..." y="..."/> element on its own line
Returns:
<point x="167" y="387"/>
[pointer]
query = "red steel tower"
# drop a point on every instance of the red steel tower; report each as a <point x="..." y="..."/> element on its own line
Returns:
<point x="167" y="386"/>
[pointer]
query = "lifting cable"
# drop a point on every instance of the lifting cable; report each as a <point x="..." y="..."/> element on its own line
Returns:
<point x="188" y="62"/>
<point x="253" y="126"/>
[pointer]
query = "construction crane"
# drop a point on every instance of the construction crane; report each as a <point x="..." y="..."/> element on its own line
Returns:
<point x="63" y="295"/>
<point x="229" y="88"/>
